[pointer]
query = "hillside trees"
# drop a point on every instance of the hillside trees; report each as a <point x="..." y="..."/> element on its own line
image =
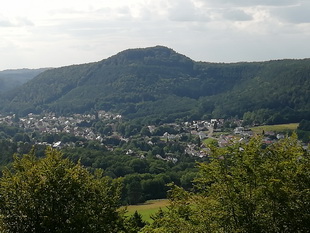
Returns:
<point x="52" y="194"/>
<point x="159" y="85"/>
<point x="10" y="79"/>
<point x="303" y="130"/>
<point x="245" y="188"/>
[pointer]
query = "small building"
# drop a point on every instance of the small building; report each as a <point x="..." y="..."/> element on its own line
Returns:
<point x="238" y="130"/>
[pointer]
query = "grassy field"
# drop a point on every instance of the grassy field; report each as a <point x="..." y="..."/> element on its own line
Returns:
<point x="275" y="128"/>
<point x="208" y="141"/>
<point x="148" y="208"/>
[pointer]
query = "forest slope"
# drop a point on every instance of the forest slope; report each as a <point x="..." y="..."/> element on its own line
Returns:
<point x="158" y="83"/>
<point x="10" y="79"/>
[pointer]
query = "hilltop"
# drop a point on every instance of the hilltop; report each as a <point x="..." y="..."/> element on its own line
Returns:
<point x="158" y="84"/>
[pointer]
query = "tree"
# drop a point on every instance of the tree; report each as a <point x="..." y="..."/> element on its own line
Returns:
<point x="139" y="165"/>
<point x="52" y="194"/>
<point x="134" y="192"/>
<point x="245" y="188"/>
<point x="145" y="131"/>
<point x="304" y="125"/>
<point x="135" y="223"/>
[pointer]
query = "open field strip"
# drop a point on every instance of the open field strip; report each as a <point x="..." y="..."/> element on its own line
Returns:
<point x="275" y="128"/>
<point x="148" y="208"/>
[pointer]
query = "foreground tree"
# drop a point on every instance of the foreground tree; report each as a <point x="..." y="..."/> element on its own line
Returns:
<point x="245" y="188"/>
<point x="52" y="194"/>
<point x="135" y="223"/>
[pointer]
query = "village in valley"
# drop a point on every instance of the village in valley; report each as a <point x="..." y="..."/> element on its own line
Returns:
<point x="195" y="135"/>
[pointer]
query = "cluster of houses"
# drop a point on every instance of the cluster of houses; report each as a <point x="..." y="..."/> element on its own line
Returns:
<point x="213" y="129"/>
<point x="51" y="124"/>
<point x="192" y="150"/>
<point x="79" y="125"/>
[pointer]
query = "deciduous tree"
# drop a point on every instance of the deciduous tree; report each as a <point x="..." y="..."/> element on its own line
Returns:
<point x="52" y="194"/>
<point x="245" y="188"/>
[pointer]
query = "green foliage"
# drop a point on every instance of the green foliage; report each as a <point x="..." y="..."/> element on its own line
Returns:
<point x="9" y="131"/>
<point x="159" y="85"/>
<point x="10" y="147"/>
<point x="147" y="209"/>
<point x="144" y="178"/>
<point x="304" y="125"/>
<point x="52" y="194"/>
<point x="10" y="79"/>
<point x="303" y="130"/>
<point x="245" y="188"/>
<point x="135" y="223"/>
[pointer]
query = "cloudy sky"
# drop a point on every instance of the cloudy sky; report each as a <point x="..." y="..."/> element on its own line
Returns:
<point x="45" y="33"/>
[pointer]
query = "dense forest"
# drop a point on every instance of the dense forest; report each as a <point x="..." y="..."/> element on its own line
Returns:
<point x="158" y="84"/>
<point x="10" y="79"/>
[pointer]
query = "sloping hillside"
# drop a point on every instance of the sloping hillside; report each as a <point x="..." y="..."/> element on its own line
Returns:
<point x="158" y="83"/>
<point x="10" y="79"/>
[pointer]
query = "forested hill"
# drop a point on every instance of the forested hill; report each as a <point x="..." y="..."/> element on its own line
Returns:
<point x="159" y="84"/>
<point x="10" y="79"/>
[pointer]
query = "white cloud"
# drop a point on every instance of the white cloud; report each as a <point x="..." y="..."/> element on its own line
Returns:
<point x="226" y="3"/>
<point x="186" y="10"/>
<point x="37" y="33"/>
<point x="15" y="22"/>
<point x="237" y="15"/>
<point x="5" y="23"/>
<point x="294" y="14"/>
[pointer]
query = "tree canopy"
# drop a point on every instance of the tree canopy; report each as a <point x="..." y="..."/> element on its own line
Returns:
<point x="245" y="188"/>
<point x="52" y="194"/>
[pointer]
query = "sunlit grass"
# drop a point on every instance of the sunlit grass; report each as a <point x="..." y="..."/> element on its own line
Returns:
<point x="148" y="208"/>
<point x="208" y="141"/>
<point x="275" y="128"/>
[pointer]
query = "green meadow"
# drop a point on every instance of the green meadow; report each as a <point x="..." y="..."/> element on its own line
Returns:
<point x="148" y="208"/>
<point x="208" y="141"/>
<point x="275" y="128"/>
